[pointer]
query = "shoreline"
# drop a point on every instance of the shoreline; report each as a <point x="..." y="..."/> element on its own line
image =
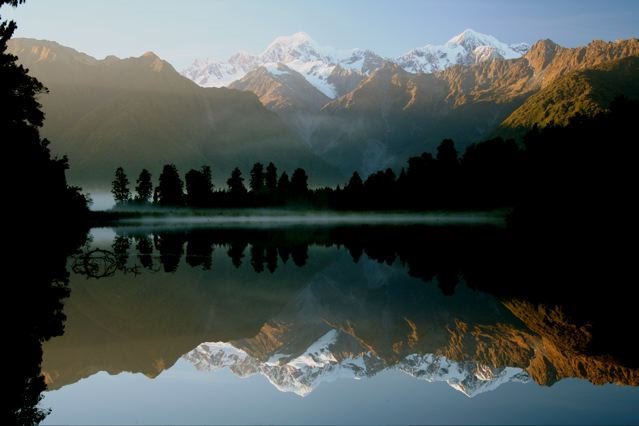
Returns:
<point x="296" y="217"/>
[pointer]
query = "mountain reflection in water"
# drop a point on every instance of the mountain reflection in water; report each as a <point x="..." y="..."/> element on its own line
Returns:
<point x="302" y="306"/>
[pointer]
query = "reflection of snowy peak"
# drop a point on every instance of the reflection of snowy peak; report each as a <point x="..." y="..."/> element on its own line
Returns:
<point x="324" y="67"/>
<point x="467" y="377"/>
<point x="467" y="48"/>
<point x="302" y="373"/>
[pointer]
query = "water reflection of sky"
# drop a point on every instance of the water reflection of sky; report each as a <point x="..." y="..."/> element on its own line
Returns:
<point x="127" y="322"/>
<point x="184" y="395"/>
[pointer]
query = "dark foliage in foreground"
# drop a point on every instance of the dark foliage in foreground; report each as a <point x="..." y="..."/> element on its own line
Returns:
<point x="39" y="178"/>
<point x="33" y="179"/>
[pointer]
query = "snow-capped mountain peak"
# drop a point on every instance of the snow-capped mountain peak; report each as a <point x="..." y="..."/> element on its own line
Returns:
<point x="471" y="39"/>
<point x="294" y="40"/>
<point x="467" y="48"/>
<point x="323" y="66"/>
<point x="242" y="57"/>
<point x="297" y="47"/>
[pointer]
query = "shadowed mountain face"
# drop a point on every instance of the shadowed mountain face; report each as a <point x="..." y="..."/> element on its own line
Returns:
<point x="140" y="113"/>
<point x="393" y="114"/>
<point x="303" y="306"/>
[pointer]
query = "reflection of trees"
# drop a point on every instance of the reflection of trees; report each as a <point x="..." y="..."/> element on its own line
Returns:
<point x="170" y="245"/>
<point x="96" y="263"/>
<point x="120" y="249"/>
<point x="257" y="257"/>
<point x="485" y="258"/>
<point x="299" y="254"/>
<point x="284" y="253"/>
<point x="144" y="246"/>
<point x="271" y="259"/>
<point x="236" y="253"/>
<point x="199" y="253"/>
<point x="37" y="302"/>
<point x="426" y="253"/>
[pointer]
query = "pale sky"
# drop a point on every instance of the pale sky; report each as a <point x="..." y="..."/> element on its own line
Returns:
<point x="181" y="31"/>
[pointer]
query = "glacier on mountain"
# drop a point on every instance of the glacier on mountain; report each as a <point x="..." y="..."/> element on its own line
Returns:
<point x="468" y="48"/>
<point x="318" y="64"/>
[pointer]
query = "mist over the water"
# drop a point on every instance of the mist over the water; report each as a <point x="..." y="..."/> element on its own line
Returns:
<point x="283" y="218"/>
<point x="102" y="200"/>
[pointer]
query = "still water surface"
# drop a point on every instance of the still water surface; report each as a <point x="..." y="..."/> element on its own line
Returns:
<point x="336" y="324"/>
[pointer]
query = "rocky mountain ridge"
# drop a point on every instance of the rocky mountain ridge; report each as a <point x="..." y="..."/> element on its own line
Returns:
<point x="332" y="71"/>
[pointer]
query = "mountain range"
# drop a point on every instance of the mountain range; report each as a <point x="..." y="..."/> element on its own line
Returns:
<point x="330" y="111"/>
<point x="334" y="72"/>
<point x="141" y="113"/>
<point x="469" y="89"/>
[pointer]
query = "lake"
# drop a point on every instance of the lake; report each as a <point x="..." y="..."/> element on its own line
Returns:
<point x="333" y="322"/>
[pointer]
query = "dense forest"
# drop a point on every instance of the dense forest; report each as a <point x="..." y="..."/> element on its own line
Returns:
<point x="483" y="177"/>
<point x="551" y="166"/>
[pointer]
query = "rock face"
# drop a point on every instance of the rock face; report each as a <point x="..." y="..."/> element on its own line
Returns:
<point x="467" y="48"/>
<point x="320" y="66"/>
<point x="336" y="72"/>
<point x="282" y="89"/>
<point x="391" y="109"/>
<point x="140" y="113"/>
<point x="393" y="113"/>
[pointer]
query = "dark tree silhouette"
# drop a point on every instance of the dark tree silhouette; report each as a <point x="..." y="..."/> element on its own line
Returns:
<point x="283" y="185"/>
<point x="355" y="184"/>
<point x="380" y="185"/>
<point x="417" y="191"/>
<point x="144" y="187"/>
<point x="299" y="183"/>
<point x="446" y="190"/>
<point x="236" y="183"/>
<point x="199" y="187"/>
<point x="171" y="187"/>
<point x="270" y="179"/>
<point x="41" y="177"/>
<point x="256" y="182"/>
<point x="492" y="173"/>
<point x="120" y="187"/>
<point x="48" y="211"/>
<point x="447" y="154"/>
